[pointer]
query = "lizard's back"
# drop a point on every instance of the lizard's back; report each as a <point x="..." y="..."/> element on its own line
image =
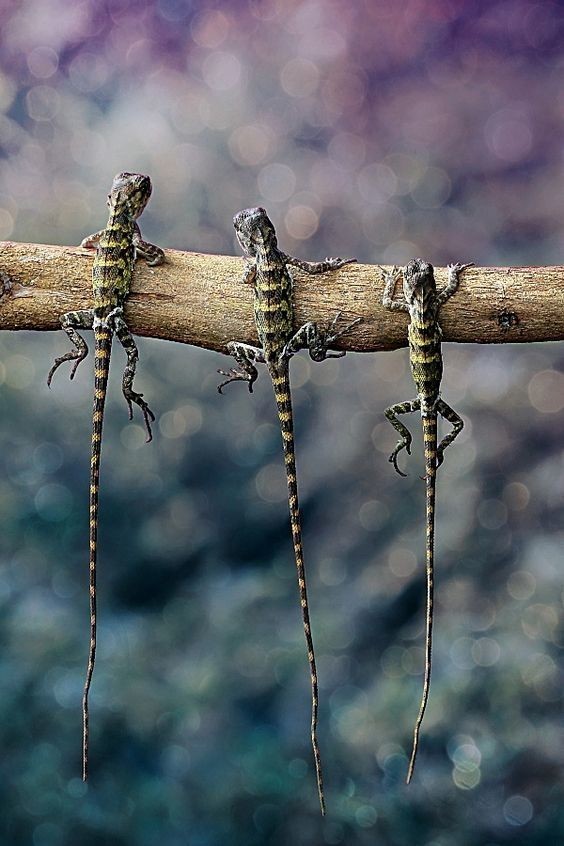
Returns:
<point x="424" y="334"/>
<point x="273" y="306"/>
<point x="112" y="270"/>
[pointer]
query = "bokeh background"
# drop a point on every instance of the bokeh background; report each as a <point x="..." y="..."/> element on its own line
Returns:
<point x="376" y="129"/>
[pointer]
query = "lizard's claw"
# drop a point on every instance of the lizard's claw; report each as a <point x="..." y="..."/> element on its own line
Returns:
<point x="148" y="415"/>
<point x="234" y="375"/>
<point x="394" y="456"/>
<point x="458" y="267"/>
<point x="318" y="350"/>
<point x="394" y="273"/>
<point x="338" y="262"/>
<point x="70" y="356"/>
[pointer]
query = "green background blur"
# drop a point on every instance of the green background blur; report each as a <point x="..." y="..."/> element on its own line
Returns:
<point x="375" y="129"/>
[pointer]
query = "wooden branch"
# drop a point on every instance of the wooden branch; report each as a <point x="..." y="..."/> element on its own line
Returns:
<point x="200" y="299"/>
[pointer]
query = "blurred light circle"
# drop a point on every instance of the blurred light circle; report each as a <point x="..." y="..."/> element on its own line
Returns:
<point x="43" y="62"/>
<point x="402" y="561"/>
<point x="20" y="371"/>
<point x="271" y="483"/>
<point x="347" y="150"/>
<point x="173" y="10"/>
<point x="210" y="29"/>
<point x="366" y="816"/>
<point x="53" y="502"/>
<point x="376" y="182"/>
<point x="299" y="77"/>
<point x="301" y="222"/>
<point x="518" y="810"/>
<point x="517" y="495"/>
<point x="433" y="189"/>
<point x="88" y="72"/>
<point x="249" y="145"/>
<point x="276" y="182"/>
<point x="6" y="224"/>
<point x="521" y="584"/>
<point x="486" y="651"/>
<point x="492" y="514"/>
<point x="221" y="71"/>
<point x="466" y="779"/>
<point x="508" y="134"/>
<point x="546" y="391"/>
<point x="42" y="102"/>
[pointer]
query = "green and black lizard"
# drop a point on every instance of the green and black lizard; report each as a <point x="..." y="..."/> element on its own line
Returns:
<point x="422" y="303"/>
<point x="116" y="249"/>
<point x="268" y="271"/>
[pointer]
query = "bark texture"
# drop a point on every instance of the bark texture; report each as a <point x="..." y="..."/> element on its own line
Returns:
<point x="200" y="299"/>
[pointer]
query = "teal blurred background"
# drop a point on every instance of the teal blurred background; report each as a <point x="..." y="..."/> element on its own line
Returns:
<point x="374" y="129"/>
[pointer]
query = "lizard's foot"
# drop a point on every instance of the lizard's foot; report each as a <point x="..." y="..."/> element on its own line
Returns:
<point x="336" y="263"/>
<point x="320" y="344"/>
<point x="234" y="375"/>
<point x="75" y="356"/>
<point x="458" y="267"/>
<point x="403" y="444"/>
<point x="133" y="397"/>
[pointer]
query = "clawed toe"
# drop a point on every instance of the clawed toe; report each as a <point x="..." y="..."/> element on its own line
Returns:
<point x="148" y="415"/>
<point x="234" y="376"/>
<point x="394" y="456"/>
<point x="394" y="460"/>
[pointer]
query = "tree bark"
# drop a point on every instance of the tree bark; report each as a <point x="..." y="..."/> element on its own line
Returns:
<point x="200" y="299"/>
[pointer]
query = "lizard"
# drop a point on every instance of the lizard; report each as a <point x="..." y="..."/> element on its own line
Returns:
<point x="268" y="270"/>
<point x="422" y="301"/>
<point x="116" y="249"/>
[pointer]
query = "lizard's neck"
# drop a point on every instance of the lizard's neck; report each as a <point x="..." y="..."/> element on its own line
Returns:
<point x="119" y="218"/>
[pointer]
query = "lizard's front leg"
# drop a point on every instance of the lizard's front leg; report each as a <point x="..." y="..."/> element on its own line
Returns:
<point x="152" y="254"/>
<point x="405" y="441"/>
<point x="246" y="357"/>
<point x="92" y="241"/>
<point x="457" y="422"/>
<point x="314" y="267"/>
<point x="70" y="322"/>
<point x="317" y="341"/>
<point x="453" y="281"/>
<point x="391" y="279"/>
<point x="126" y="340"/>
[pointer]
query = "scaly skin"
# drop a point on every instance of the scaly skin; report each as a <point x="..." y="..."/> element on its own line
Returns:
<point x="422" y="303"/>
<point x="116" y="248"/>
<point x="267" y="269"/>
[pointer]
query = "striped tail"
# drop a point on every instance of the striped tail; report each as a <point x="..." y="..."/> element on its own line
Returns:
<point x="103" y="345"/>
<point x="430" y="443"/>
<point x="281" y="384"/>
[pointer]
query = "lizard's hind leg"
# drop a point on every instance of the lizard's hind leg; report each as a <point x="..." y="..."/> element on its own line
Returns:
<point x="405" y="440"/>
<point x="70" y="322"/>
<point x="126" y="340"/>
<point x="246" y="357"/>
<point x="457" y="422"/>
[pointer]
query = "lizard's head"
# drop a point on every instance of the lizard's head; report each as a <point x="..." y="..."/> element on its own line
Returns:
<point x="254" y="230"/>
<point x="130" y="191"/>
<point x="417" y="274"/>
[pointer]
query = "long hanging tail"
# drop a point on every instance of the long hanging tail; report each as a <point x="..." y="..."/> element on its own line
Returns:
<point x="430" y="443"/>
<point x="281" y="384"/>
<point x="103" y="346"/>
